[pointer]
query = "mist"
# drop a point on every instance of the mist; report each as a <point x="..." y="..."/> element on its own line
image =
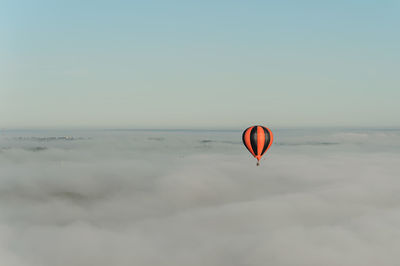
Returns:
<point x="319" y="197"/>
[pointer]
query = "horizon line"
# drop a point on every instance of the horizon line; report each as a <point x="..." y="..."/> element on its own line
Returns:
<point x="196" y="129"/>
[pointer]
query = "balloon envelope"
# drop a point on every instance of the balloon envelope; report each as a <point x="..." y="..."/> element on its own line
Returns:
<point x="257" y="140"/>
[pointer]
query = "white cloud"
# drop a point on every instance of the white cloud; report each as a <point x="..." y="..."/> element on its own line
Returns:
<point x="171" y="199"/>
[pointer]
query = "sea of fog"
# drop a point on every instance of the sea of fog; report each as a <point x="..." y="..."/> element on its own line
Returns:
<point x="322" y="197"/>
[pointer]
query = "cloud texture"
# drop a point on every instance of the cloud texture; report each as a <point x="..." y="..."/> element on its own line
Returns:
<point x="196" y="198"/>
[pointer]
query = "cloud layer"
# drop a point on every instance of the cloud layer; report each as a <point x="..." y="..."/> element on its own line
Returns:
<point x="197" y="198"/>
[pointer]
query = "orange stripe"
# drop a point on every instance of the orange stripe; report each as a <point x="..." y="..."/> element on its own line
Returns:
<point x="260" y="141"/>
<point x="271" y="138"/>
<point x="247" y="140"/>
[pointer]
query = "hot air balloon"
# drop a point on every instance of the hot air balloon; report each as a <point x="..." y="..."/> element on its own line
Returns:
<point x="257" y="140"/>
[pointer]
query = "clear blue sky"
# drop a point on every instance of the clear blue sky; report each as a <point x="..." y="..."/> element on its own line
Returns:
<point x="199" y="64"/>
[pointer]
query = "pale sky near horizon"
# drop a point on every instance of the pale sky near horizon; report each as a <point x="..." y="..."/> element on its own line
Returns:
<point x="199" y="64"/>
